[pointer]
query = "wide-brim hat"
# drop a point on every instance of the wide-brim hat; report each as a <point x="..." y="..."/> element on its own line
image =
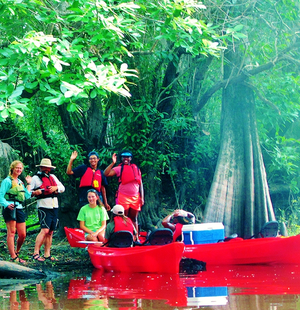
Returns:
<point x="46" y="162"/>
<point x="118" y="210"/>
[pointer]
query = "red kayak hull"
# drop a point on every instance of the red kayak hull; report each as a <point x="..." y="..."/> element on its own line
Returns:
<point x="74" y="235"/>
<point x="271" y="251"/>
<point x="150" y="259"/>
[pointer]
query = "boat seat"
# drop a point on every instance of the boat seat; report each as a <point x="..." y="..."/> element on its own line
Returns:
<point x="160" y="236"/>
<point x="121" y="239"/>
<point x="270" y="229"/>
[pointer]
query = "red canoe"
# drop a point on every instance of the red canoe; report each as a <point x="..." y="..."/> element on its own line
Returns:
<point x="272" y="251"/>
<point x="74" y="235"/>
<point x="149" y="258"/>
<point x="275" y="250"/>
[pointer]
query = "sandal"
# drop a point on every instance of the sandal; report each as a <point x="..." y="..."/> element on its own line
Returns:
<point x="38" y="258"/>
<point x="51" y="258"/>
<point x="17" y="259"/>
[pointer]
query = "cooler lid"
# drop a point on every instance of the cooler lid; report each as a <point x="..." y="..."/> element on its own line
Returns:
<point x="202" y="226"/>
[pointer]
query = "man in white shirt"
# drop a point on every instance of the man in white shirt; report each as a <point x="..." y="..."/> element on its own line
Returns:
<point x="46" y="187"/>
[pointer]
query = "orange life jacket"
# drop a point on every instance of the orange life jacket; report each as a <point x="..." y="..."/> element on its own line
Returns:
<point x="120" y="225"/>
<point x="130" y="173"/>
<point x="91" y="178"/>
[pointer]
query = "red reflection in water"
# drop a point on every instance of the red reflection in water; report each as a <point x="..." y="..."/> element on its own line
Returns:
<point x="216" y="286"/>
<point x="256" y="279"/>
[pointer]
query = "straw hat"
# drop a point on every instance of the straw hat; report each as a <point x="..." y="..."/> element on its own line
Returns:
<point x="46" y="162"/>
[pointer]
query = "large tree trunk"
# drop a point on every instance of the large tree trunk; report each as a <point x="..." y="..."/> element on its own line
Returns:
<point x="239" y="195"/>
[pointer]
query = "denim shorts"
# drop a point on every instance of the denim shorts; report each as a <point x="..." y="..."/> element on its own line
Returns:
<point x="17" y="215"/>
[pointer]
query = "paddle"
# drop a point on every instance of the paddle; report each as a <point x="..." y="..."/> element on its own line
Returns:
<point x="90" y="242"/>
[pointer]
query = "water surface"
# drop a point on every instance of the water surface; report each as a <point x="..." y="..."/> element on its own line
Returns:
<point x="235" y="287"/>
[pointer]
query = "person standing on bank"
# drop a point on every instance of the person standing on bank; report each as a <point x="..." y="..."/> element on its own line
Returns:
<point x="90" y="177"/>
<point x="46" y="187"/>
<point x="12" y="194"/>
<point x="130" y="193"/>
<point x="92" y="217"/>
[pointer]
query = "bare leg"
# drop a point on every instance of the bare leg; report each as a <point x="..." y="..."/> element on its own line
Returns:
<point x="91" y="238"/>
<point x="14" y="304"/>
<point x="48" y="243"/>
<point x="11" y="231"/>
<point x="133" y="215"/>
<point x="21" y="229"/>
<point x="101" y="236"/>
<point x="40" y="239"/>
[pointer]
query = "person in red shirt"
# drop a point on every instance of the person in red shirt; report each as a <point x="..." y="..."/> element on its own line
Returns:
<point x="119" y="222"/>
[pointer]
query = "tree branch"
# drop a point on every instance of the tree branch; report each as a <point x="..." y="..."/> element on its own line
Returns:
<point x="245" y="74"/>
<point x="263" y="98"/>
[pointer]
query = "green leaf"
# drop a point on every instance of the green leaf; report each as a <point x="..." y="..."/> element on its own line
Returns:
<point x="17" y="92"/>
<point x="72" y="107"/>
<point x="16" y="111"/>
<point x="68" y="94"/>
<point x="238" y="27"/>
<point x="4" y="113"/>
<point x="93" y="93"/>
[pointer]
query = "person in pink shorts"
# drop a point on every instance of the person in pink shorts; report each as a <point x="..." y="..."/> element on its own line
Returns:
<point x="130" y="193"/>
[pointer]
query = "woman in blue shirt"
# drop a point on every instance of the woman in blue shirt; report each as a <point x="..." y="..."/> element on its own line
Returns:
<point x="12" y="194"/>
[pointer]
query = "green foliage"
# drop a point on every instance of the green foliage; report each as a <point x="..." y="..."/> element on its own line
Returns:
<point x="290" y="215"/>
<point x="64" y="66"/>
<point x="112" y="60"/>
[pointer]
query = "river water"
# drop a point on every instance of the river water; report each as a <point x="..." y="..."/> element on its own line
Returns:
<point x="218" y="288"/>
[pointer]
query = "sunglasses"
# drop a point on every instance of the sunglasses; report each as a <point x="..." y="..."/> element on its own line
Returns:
<point x="92" y="191"/>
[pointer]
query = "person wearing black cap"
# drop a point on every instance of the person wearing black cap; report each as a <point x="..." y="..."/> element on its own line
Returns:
<point x="90" y="177"/>
<point x="130" y="192"/>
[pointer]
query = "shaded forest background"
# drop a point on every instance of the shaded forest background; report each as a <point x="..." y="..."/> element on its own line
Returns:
<point x="206" y="97"/>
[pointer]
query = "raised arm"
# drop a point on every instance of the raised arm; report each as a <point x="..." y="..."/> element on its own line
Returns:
<point x="166" y="222"/>
<point x="70" y="164"/>
<point x="109" y="172"/>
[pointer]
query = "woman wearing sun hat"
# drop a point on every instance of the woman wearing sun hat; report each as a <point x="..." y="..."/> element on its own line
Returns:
<point x="46" y="187"/>
<point x="130" y="192"/>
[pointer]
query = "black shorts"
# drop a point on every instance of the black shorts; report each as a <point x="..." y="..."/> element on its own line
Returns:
<point x="8" y="215"/>
<point x="48" y="218"/>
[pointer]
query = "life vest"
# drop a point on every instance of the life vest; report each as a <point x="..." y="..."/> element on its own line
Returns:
<point x="177" y="232"/>
<point x="47" y="180"/>
<point x="16" y="193"/>
<point x="91" y="178"/>
<point x="120" y="225"/>
<point x="130" y="173"/>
